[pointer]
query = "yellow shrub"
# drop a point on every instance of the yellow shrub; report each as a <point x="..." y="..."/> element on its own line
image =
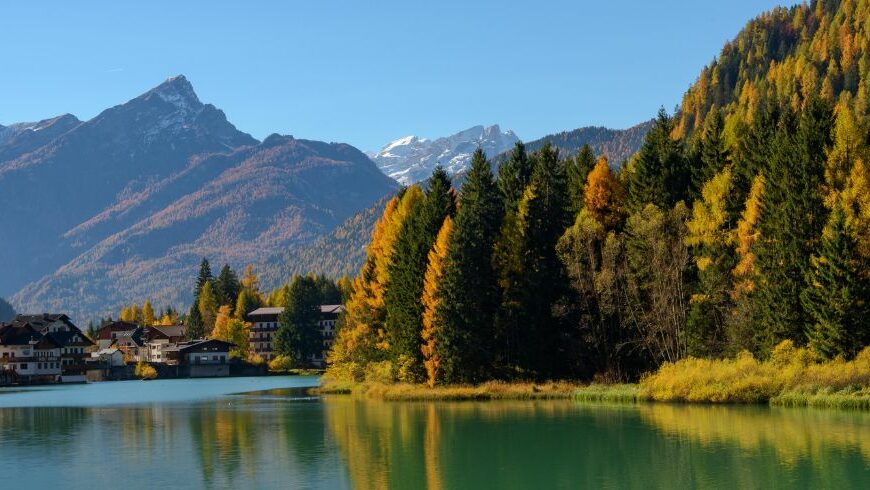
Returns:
<point x="144" y="370"/>
<point x="747" y="380"/>
<point x="280" y="364"/>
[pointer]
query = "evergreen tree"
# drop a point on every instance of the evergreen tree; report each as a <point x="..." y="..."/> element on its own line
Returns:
<point x="791" y="222"/>
<point x="837" y="293"/>
<point x="514" y="175"/>
<point x="659" y="174"/>
<point x="204" y="276"/>
<point x="330" y="291"/>
<point x="404" y="307"/>
<point x="195" y="325"/>
<point x="577" y="170"/>
<point x="543" y="218"/>
<point x="298" y="336"/>
<point x="227" y="286"/>
<point x="713" y="154"/>
<point x="470" y="290"/>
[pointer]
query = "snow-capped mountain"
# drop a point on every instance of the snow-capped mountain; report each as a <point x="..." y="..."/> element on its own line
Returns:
<point x="412" y="159"/>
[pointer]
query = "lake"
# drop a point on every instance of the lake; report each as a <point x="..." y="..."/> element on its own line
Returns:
<point x="266" y="433"/>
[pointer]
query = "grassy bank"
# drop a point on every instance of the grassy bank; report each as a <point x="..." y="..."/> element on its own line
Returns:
<point x="493" y="390"/>
<point x="791" y="377"/>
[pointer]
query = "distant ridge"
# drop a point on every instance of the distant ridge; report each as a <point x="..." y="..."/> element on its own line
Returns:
<point x="124" y="206"/>
<point x="412" y="159"/>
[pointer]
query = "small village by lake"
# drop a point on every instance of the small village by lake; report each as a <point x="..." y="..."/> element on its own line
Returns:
<point x="50" y="348"/>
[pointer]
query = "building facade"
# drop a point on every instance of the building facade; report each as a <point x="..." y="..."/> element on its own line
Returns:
<point x="264" y="326"/>
<point x="44" y="347"/>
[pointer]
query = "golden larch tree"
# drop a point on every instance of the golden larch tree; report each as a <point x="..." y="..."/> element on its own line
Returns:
<point x="431" y="299"/>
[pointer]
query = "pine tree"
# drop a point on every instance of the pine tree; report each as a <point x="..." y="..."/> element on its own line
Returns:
<point x="578" y="169"/>
<point x="195" y="324"/>
<point x="713" y="154"/>
<point x="543" y="218"/>
<point x="205" y="276"/>
<point x="659" y="174"/>
<point x="298" y="336"/>
<point x="431" y="302"/>
<point x="227" y="286"/>
<point x="514" y="175"/>
<point x="470" y="292"/>
<point x="330" y="291"/>
<point x="837" y="293"/>
<point x="404" y="308"/>
<point x="791" y="223"/>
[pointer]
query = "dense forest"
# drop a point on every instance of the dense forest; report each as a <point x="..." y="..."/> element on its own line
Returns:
<point x="742" y="221"/>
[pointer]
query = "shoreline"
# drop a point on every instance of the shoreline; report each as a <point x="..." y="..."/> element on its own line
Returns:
<point x="631" y="393"/>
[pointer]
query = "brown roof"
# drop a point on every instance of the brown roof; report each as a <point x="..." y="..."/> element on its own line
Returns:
<point x="105" y="332"/>
<point x="18" y="334"/>
<point x="168" y="331"/>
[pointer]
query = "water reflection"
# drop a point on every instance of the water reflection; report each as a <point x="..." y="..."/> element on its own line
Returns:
<point x="565" y="445"/>
<point x="793" y="434"/>
<point x="280" y="439"/>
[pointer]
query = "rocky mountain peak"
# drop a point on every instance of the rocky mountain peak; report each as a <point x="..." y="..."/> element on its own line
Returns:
<point x="177" y="91"/>
<point x="412" y="159"/>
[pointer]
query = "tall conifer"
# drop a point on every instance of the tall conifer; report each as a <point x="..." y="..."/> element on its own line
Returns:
<point x="470" y="293"/>
<point x="837" y="293"/>
<point x="404" y="307"/>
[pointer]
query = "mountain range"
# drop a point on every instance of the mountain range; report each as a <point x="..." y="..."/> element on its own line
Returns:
<point x="412" y="159"/>
<point x="122" y="207"/>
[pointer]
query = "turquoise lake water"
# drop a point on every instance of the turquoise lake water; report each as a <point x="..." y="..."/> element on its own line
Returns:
<point x="267" y="433"/>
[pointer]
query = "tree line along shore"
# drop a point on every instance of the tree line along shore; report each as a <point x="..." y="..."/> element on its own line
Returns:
<point x="720" y="254"/>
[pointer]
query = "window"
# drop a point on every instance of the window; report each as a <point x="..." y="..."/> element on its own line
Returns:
<point x="24" y="366"/>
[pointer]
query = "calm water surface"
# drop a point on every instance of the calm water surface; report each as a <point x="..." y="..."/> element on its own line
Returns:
<point x="265" y="433"/>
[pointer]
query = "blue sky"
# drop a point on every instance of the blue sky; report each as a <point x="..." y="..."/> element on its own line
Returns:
<point x="365" y="72"/>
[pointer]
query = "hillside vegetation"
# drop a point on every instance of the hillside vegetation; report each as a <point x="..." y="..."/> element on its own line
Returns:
<point x="729" y="232"/>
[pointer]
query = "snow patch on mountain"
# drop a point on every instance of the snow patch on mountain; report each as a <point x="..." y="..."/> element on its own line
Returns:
<point x="411" y="159"/>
